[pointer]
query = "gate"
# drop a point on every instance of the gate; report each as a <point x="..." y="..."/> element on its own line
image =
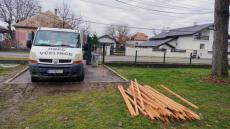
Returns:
<point x="117" y="51"/>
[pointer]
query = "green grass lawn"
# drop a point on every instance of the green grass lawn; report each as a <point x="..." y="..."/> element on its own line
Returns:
<point x="106" y="109"/>
<point x="4" y="71"/>
<point x="13" y="58"/>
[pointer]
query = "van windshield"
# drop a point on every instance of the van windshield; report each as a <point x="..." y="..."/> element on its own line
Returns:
<point x="57" y="39"/>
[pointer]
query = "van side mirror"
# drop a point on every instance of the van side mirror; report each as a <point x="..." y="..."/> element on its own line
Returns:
<point x="29" y="43"/>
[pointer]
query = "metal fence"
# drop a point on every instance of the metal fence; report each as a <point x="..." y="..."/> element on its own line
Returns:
<point x="155" y="59"/>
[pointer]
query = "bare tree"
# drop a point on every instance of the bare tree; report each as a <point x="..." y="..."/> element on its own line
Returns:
<point x="123" y="32"/>
<point x="118" y="32"/>
<point x="25" y="9"/>
<point x="12" y="11"/>
<point x="69" y="18"/>
<point x="220" y="45"/>
<point x="111" y="31"/>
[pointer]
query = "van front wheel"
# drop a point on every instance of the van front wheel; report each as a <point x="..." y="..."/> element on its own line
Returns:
<point x="34" y="79"/>
<point x="82" y="77"/>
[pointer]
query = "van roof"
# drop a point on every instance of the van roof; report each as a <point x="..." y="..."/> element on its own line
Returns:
<point x="58" y="29"/>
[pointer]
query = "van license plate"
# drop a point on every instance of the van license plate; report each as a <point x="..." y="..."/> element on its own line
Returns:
<point x="55" y="71"/>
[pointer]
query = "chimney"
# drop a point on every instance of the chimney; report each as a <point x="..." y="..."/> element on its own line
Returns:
<point x="55" y="12"/>
<point x="167" y="29"/>
<point x="39" y="9"/>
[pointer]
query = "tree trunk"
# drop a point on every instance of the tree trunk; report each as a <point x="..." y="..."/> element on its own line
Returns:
<point x="220" y="44"/>
<point x="10" y="29"/>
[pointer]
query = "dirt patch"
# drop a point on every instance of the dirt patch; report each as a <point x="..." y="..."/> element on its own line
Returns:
<point x="216" y="80"/>
<point x="19" y="94"/>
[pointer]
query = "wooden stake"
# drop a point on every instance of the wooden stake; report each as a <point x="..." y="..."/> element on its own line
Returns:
<point x="128" y="104"/>
<point x="134" y="98"/>
<point x="139" y="94"/>
<point x="179" y="97"/>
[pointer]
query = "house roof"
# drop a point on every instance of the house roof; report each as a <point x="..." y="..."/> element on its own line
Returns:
<point x="42" y="19"/>
<point x="155" y="43"/>
<point x="182" y="31"/>
<point x="139" y="37"/>
<point x="106" y="36"/>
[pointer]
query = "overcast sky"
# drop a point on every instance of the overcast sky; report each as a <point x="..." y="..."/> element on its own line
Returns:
<point x="151" y="14"/>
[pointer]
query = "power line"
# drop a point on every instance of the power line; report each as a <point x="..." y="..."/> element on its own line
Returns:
<point x="156" y="4"/>
<point x="107" y="24"/>
<point x="186" y="6"/>
<point x="155" y="10"/>
<point x="109" y="6"/>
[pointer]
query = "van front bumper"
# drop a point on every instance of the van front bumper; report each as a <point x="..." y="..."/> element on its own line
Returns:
<point x="42" y="70"/>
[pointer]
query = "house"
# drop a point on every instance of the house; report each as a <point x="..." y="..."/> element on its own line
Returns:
<point x="137" y="39"/>
<point x="121" y="41"/>
<point x="197" y="39"/>
<point x="107" y="40"/>
<point x="4" y="33"/>
<point x="24" y="29"/>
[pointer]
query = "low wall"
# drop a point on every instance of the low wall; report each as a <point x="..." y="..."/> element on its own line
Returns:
<point x="149" y="52"/>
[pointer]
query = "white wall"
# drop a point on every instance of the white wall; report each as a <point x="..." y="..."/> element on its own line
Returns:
<point x="108" y="50"/>
<point x="142" y="52"/>
<point x="148" y="52"/>
<point x="134" y="43"/>
<point x="189" y="43"/>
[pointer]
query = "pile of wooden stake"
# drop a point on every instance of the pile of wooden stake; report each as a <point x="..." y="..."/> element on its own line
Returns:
<point x="155" y="105"/>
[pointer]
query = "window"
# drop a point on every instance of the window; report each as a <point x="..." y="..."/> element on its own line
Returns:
<point x="202" y="46"/>
<point x="57" y="39"/>
<point x="200" y="36"/>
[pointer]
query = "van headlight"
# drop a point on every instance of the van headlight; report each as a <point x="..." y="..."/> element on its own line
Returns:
<point x="78" y="59"/>
<point x="33" y="58"/>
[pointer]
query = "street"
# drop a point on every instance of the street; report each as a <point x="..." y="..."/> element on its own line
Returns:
<point x="15" y="54"/>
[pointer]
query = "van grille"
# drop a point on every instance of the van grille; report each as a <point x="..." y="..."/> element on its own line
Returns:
<point x="61" y="61"/>
<point x="46" y="60"/>
<point x="64" y="61"/>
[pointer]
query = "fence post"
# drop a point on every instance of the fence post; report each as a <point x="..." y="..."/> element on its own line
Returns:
<point x="103" y="54"/>
<point x="136" y="57"/>
<point x="164" y="56"/>
<point x="190" y="59"/>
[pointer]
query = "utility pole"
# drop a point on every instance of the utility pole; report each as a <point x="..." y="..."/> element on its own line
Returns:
<point x="220" y="44"/>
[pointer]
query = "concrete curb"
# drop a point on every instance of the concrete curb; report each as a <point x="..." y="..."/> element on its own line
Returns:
<point x="16" y="75"/>
<point x="116" y="73"/>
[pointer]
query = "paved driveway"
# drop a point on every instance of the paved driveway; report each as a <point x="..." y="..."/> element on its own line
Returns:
<point x="92" y="74"/>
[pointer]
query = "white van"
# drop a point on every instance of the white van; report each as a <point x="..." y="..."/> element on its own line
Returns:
<point x="56" y="53"/>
